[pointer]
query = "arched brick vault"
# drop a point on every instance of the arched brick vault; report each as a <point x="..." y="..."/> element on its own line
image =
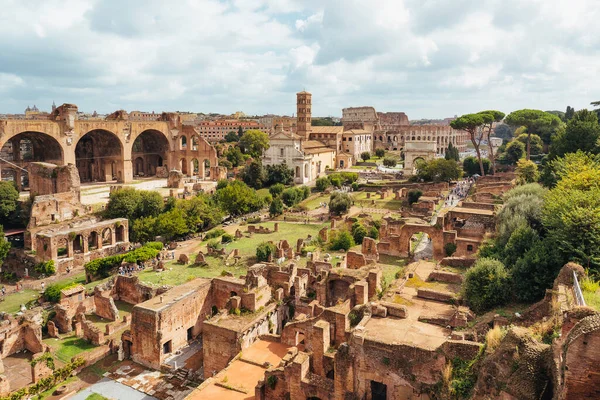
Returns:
<point x="67" y="132"/>
<point x="438" y="236"/>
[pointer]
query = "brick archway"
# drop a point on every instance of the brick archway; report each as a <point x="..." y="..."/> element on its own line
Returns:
<point x="436" y="234"/>
<point x="99" y="156"/>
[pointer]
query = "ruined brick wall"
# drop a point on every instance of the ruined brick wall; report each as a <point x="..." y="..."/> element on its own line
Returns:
<point x="130" y="290"/>
<point x="21" y="335"/>
<point x="105" y="306"/>
<point x="146" y="346"/>
<point x="188" y="313"/>
<point x="581" y="353"/>
<point x="355" y="260"/>
<point x="219" y="346"/>
<point x="224" y="288"/>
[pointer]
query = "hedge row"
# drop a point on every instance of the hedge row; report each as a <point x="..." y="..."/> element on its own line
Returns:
<point x="103" y="266"/>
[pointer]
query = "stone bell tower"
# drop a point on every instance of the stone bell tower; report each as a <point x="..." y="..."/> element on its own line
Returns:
<point x="303" y="114"/>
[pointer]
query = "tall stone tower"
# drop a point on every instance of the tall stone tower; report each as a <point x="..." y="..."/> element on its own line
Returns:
<point x="303" y="115"/>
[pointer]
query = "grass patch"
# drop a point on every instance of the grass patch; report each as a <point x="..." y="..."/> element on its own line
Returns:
<point x="96" y="396"/>
<point x="591" y="292"/>
<point x="402" y="301"/>
<point x="312" y="203"/>
<point x="67" y="348"/>
<point x="391" y="266"/>
<point x="12" y="302"/>
<point x="417" y="283"/>
<point x="389" y="203"/>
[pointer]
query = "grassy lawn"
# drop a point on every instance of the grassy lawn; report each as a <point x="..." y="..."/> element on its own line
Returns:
<point x="12" y="302"/>
<point x="389" y="203"/>
<point x="124" y="309"/>
<point x="313" y="201"/>
<point x="417" y="283"/>
<point x="66" y="348"/>
<point x="176" y="274"/>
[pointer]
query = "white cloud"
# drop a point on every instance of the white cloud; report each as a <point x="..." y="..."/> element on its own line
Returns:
<point x="429" y="58"/>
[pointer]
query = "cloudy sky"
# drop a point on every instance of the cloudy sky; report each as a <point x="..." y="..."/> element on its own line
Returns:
<point x="428" y="58"/>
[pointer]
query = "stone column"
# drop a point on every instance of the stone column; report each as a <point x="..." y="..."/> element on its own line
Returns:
<point x="127" y="172"/>
<point x="99" y="240"/>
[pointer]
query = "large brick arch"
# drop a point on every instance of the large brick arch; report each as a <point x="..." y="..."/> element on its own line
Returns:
<point x="435" y="233"/>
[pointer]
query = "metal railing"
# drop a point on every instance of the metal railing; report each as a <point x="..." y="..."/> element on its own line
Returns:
<point x="577" y="289"/>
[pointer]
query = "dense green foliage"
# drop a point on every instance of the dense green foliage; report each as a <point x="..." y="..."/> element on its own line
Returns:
<point x="486" y="285"/>
<point x="438" y="170"/>
<point x="365" y="155"/>
<point x="102" y="267"/>
<point x="536" y="122"/>
<point x="581" y="133"/>
<point x="359" y="232"/>
<point x="527" y="172"/>
<point x="471" y="166"/>
<point x="322" y="183"/>
<point x="452" y="153"/>
<point x="294" y="195"/>
<point x="4" y="245"/>
<point x="45" y="267"/>
<point x="339" y="203"/>
<point x="535" y="143"/>
<point x="276" y="207"/>
<point x="380" y="153"/>
<point x="390" y="162"/>
<point x="9" y="196"/>
<point x="276" y="189"/>
<point x="341" y="240"/>
<point x="514" y="151"/>
<point x="254" y="142"/>
<point x="413" y="196"/>
<point x="237" y="198"/>
<point x="264" y="250"/>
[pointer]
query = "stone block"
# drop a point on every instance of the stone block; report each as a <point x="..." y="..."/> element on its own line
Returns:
<point x="183" y="259"/>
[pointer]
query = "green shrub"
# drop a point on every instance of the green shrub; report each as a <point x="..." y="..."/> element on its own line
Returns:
<point x="449" y="249"/>
<point x="276" y="207"/>
<point x="215" y="233"/>
<point x="339" y="203"/>
<point x="254" y="220"/>
<point x="359" y="232"/>
<point x="322" y="183"/>
<point x="52" y="292"/>
<point x="226" y="238"/>
<point x="264" y="250"/>
<point x="380" y="153"/>
<point x="487" y="285"/>
<point x="341" y="240"/>
<point x="355" y="186"/>
<point x="390" y="162"/>
<point x="276" y="189"/>
<point x="373" y="232"/>
<point x="214" y="244"/>
<point x="335" y="180"/>
<point x="413" y="196"/>
<point x="365" y="155"/>
<point x="45" y="267"/>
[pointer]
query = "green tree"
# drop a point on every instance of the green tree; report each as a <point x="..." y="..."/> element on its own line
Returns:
<point x="143" y="230"/>
<point x="527" y="172"/>
<point x="237" y="198"/>
<point x="232" y="137"/>
<point x="536" y="122"/>
<point x="380" y="153"/>
<point x="452" y="153"/>
<point x="522" y="207"/>
<point x="495" y="117"/>
<point x="413" y="196"/>
<point x="596" y="110"/>
<point x="276" y="189"/>
<point x="254" y="174"/>
<point x="279" y="173"/>
<point x="365" y="156"/>
<point x="390" y="162"/>
<point x="276" y="207"/>
<point x="254" y="142"/>
<point x="335" y="180"/>
<point x="234" y="156"/>
<point x="569" y="113"/>
<point x="264" y="250"/>
<point x="171" y="225"/>
<point x="359" y="232"/>
<point x="536" y="145"/>
<point x="240" y="131"/>
<point x="4" y="246"/>
<point x="571" y="214"/>
<point x="339" y="203"/>
<point x="200" y="213"/>
<point x="515" y="150"/>
<point x="471" y="165"/>
<point x="556" y="169"/>
<point x="581" y="133"/>
<point x="9" y="197"/>
<point x="322" y="183"/>
<point x="487" y="285"/>
<point x="439" y="170"/>
<point x="291" y="196"/>
<point x="473" y="125"/>
<point x="151" y="204"/>
<point x="503" y="131"/>
<point x="341" y="240"/>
